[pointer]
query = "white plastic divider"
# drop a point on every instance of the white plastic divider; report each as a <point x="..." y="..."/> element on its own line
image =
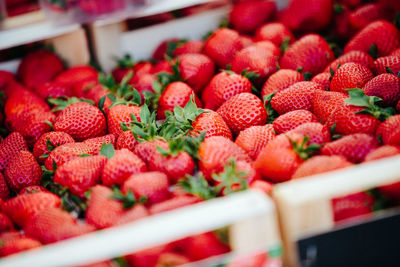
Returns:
<point x="304" y="205"/>
<point x="154" y="230"/>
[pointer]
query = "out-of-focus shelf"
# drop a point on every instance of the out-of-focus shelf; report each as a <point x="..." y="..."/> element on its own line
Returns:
<point x="32" y="33"/>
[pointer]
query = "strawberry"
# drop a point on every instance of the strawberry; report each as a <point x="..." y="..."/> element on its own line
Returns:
<point x="171" y="259"/>
<point x="320" y="164"/>
<point x="366" y="14"/>
<point x="324" y="79"/>
<point x="23" y="101"/>
<point x="12" y="245"/>
<point x="214" y="153"/>
<point x="212" y="123"/>
<point x="175" y="94"/>
<point x="95" y="93"/>
<point x="292" y="119"/>
<point x="254" y="138"/>
<point x="389" y="131"/>
<point x="5" y="223"/>
<point x="22" y="207"/>
<point x="147" y="257"/>
<point x="52" y="225"/>
<point x="146" y="150"/>
<point x="162" y="66"/>
<point x="242" y="111"/>
<point x="203" y="246"/>
<point x="281" y="80"/>
<point x="315" y="17"/>
<point x="196" y="70"/>
<point x="65" y="153"/>
<point x="353" y="205"/>
<point x="189" y="47"/>
<point x="98" y="7"/>
<point x="75" y="75"/>
<point x="144" y="83"/>
<point x="80" y="174"/>
<point x="383" y="63"/>
<point x="10" y="147"/>
<point x="137" y="212"/>
<point x="124" y="65"/>
<point x="350" y="75"/>
<point x="48" y="142"/>
<point x="53" y="89"/>
<point x="311" y="54"/>
<point x="39" y="67"/>
<point x="162" y="49"/>
<point x="5" y="78"/>
<point x="380" y="34"/>
<point x="247" y="16"/>
<point x="96" y="142"/>
<point x="382" y="152"/>
<point x="120" y="166"/>
<point x="23" y="170"/>
<point x="256" y="58"/>
<point x="173" y="203"/>
<point x="318" y="133"/>
<point x="4" y="191"/>
<point x="297" y="96"/>
<point x="246" y="40"/>
<point x="126" y="140"/>
<point x="32" y="189"/>
<point x="222" y="45"/>
<point x="324" y="103"/>
<point x="118" y="114"/>
<point x="395" y="52"/>
<point x="359" y="57"/>
<point x="152" y="185"/>
<point x="84" y="88"/>
<point x="222" y="87"/>
<point x="275" y="32"/>
<point x="353" y="147"/>
<point x="385" y="86"/>
<point x="263" y="186"/>
<point x="82" y="121"/>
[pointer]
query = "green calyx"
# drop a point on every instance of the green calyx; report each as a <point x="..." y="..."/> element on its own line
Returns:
<point x="372" y="104"/>
<point x="272" y="114"/>
<point x="197" y="186"/>
<point x="107" y="150"/>
<point x="285" y="45"/>
<point x="189" y="144"/>
<point x="61" y="103"/>
<point x="230" y="180"/>
<point x="304" y="149"/>
<point x="125" y="62"/>
<point x="373" y="51"/>
<point x="171" y="46"/>
<point x="128" y="200"/>
<point x="50" y="147"/>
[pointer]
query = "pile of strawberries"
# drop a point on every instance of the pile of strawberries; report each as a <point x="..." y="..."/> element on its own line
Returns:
<point x="252" y="105"/>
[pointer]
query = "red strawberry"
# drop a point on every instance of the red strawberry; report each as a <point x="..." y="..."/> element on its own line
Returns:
<point x="96" y="142"/>
<point x="246" y="40"/>
<point x="147" y="257"/>
<point x="256" y="58"/>
<point x="263" y="186"/>
<point x="222" y="46"/>
<point x="317" y="132"/>
<point x="144" y="83"/>
<point x="320" y="164"/>
<point x="222" y="87"/>
<point x="52" y="225"/>
<point x="172" y="259"/>
<point x="83" y="88"/>
<point x="126" y="140"/>
<point x="4" y="191"/>
<point x="308" y="15"/>
<point x="80" y="174"/>
<point x="254" y="138"/>
<point x="98" y="7"/>
<point x="196" y="70"/>
<point x="53" y="89"/>
<point x="212" y="123"/>
<point x="351" y="206"/>
<point x="10" y="147"/>
<point x="124" y="66"/>
<point x="281" y="80"/>
<point x="382" y="152"/>
<point x="174" y="203"/>
<point x="95" y="93"/>
<point x="146" y="150"/>
<point x="215" y="152"/>
<point x="118" y="114"/>
<point x="175" y="94"/>
<point x="23" y="100"/>
<point x="162" y="49"/>
<point x="119" y="167"/>
<point x="137" y="212"/>
<point x="5" y="223"/>
<point x="311" y="54"/>
<point x="385" y="86"/>
<point x="297" y="96"/>
<point x="82" y="121"/>
<point x="152" y="185"/>
<point x="162" y="66"/>
<point x="75" y="75"/>
<point x="350" y="75"/>
<point x="353" y="147"/>
<point x="31" y="124"/>
<point x="242" y="111"/>
<point x="17" y="244"/>
<point x="247" y="16"/>
<point x="39" y="67"/>
<point x="292" y="119"/>
<point x="65" y="153"/>
<point x="389" y="131"/>
<point x="395" y="52"/>
<point x="275" y="32"/>
<point x="32" y="189"/>
<point x="47" y="141"/>
<point x="203" y="246"/>
<point x="23" y="171"/>
<point x="194" y="46"/>
<point x="392" y="62"/>
<point x="366" y="14"/>
<point x="22" y="207"/>
<point x="5" y="78"/>
<point x="323" y="79"/>
<point x="359" y="57"/>
<point x="382" y="34"/>
<point x="324" y="103"/>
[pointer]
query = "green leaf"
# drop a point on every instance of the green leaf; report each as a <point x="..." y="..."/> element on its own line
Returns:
<point x="145" y="114"/>
<point x="124" y="62"/>
<point x="128" y="200"/>
<point x="107" y="150"/>
<point x="373" y="51"/>
<point x="50" y="124"/>
<point x="84" y="155"/>
<point x="285" y="45"/>
<point x="197" y="186"/>
<point x="50" y="146"/>
<point x="137" y="98"/>
<point x="307" y="76"/>
<point x="397" y="21"/>
<point x="230" y="180"/>
<point x="389" y="70"/>
<point x="272" y="114"/>
<point x="338" y="8"/>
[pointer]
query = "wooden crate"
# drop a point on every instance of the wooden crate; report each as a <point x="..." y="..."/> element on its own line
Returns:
<point x="250" y="216"/>
<point x="304" y="205"/>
